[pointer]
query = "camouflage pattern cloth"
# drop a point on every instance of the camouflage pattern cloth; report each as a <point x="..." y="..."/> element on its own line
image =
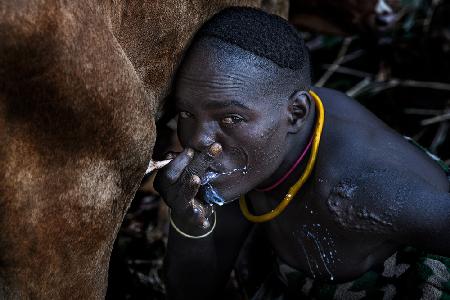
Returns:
<point x="408" y="274"/>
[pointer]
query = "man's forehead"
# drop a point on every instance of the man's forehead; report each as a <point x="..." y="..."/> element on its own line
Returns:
<point x="221" y="57"/>
<point x="215" y="70"/>
<point x="218" y="92"/>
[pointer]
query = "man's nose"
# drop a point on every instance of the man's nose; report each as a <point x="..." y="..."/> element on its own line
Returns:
<point x="203" y="138"/>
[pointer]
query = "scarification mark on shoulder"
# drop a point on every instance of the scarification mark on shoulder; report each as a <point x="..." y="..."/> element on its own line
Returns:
<point x="352" y="214"/>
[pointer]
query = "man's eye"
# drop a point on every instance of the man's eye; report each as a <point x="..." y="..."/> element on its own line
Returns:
<point x="232" y="120"/>
<point x="185" y="114"/>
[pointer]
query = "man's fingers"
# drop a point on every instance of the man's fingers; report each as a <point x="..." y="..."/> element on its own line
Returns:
<point x="180" y="180"/>
<point x="200" y="213"/>
<point x="203" y="160"/>
<point x="190" y="189"/>
<point x="215" y="149"/>
<point x="176" y="167"/>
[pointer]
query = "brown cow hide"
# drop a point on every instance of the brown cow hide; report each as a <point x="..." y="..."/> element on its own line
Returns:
<point x="80" y="84"/>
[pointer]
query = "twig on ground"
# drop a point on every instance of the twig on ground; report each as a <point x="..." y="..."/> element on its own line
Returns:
<point x="419" y="84"/>
<point x="349" y="71"/>
<point x="437" y="119"/>
<point x="440" y="137"/>
<point x="359" y="86"/>
<point x="345" y="45"/>
<point x="418" y="135"/>
<point x="378" y="86"/>
<point x="351" y="56"/>
<point x="422" y="111"/>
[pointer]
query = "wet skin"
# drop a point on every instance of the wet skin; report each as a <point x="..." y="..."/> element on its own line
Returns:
<point x="370" y="193"/>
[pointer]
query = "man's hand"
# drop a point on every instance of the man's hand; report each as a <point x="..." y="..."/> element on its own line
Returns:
<point x="179" y="182"/>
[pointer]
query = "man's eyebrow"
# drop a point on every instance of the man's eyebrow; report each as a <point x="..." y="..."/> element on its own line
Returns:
<point x="224" y="104"/>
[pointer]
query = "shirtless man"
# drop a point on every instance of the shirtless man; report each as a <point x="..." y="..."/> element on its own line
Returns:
<point x="249" y="122"/>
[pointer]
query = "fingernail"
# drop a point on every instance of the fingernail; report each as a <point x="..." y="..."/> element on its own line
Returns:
<point x="170" y="156"/>
<point x="206" y="224"/>
<point x="215" y="149"/>
<point x="195" y="180"/>
<point x="190" y="152"/>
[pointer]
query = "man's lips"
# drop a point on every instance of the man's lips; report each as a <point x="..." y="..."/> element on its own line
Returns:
<point x="209" y="176"/>
<point x="218" y="177"/>
<point x="213" y="169"/>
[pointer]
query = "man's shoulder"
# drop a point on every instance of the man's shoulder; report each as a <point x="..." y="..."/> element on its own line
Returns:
<point x="371" y="198"/>
<point x="337" y="104"/>
<point x="330" y="96"/>
<point x="357" y="201"/>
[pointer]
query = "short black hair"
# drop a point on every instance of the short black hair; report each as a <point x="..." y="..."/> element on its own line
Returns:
<point x="265" y="35"/>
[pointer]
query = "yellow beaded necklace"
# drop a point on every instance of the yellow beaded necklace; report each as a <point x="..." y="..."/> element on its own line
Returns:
<point x="296" y="187"/>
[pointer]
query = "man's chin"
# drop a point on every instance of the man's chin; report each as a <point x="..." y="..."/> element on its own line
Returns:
<point x="227" y="201"/>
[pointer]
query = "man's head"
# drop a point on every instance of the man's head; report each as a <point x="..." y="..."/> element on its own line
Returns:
<point x="243" y="84"/>
<point x="265" y="35"/>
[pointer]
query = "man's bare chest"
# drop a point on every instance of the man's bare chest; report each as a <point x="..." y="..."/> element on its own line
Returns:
<point x="308" y="238"/>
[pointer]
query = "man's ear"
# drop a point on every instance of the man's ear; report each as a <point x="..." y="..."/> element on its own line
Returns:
<point x="298" y="110"/>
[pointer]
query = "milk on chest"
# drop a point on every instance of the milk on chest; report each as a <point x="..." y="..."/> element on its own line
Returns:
<point x="305" y="244"/>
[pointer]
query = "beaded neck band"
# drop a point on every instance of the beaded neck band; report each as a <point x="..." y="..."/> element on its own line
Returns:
<point x="283" y="178"/>
<point x="296" y="187"/>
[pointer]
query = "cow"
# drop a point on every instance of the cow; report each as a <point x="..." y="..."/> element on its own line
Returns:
<point x="81" y="83"/>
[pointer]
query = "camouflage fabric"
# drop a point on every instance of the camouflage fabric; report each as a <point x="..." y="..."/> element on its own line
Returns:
<point x="408" y="274"/>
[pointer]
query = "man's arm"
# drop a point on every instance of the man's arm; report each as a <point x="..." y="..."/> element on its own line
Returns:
<point x="396" y="205"/>
<point x="424" y="221"/>
<point x="199" y="268"/>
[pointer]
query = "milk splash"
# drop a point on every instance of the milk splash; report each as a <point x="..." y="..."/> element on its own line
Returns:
<point x="323" y="249"/>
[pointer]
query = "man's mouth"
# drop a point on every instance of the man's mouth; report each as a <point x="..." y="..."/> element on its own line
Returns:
<point x="217" y="168"/>
<point x="209" y="176"/>
<point x="212" y="173"/>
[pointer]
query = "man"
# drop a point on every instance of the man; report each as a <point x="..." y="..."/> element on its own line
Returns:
<point x="338" y="193"/>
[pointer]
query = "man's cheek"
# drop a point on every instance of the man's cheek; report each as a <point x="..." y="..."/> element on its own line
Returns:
<point x="259" y="133"/>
